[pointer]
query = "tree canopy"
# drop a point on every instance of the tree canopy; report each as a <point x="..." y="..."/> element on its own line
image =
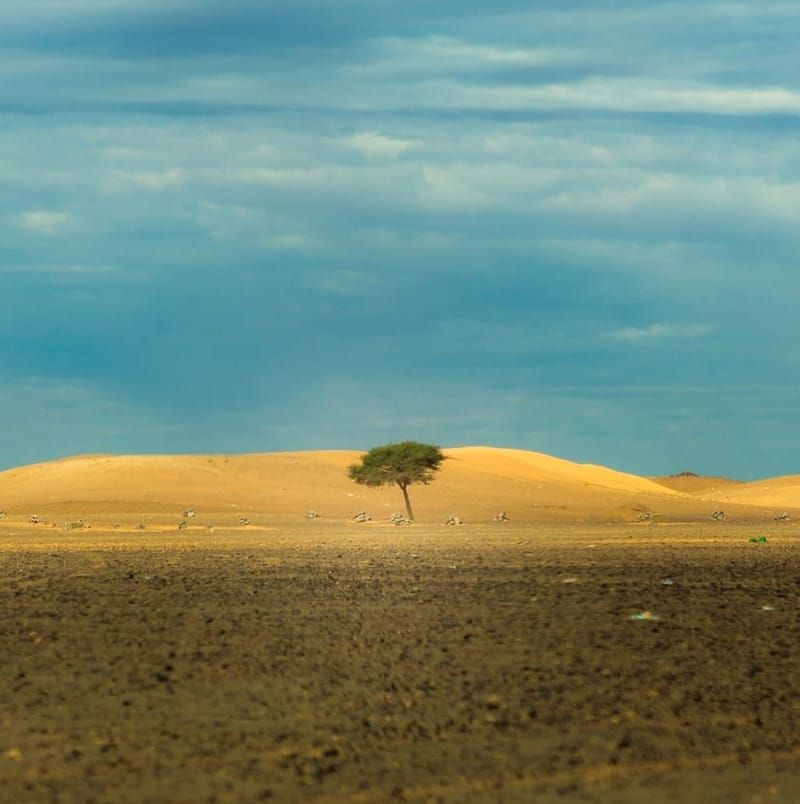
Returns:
<point x="402" y="464"/>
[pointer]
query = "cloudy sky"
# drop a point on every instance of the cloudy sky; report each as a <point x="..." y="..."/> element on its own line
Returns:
<point x="570" y="226"/>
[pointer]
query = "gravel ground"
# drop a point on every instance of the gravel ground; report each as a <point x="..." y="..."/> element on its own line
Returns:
<point x="347" y="664"/>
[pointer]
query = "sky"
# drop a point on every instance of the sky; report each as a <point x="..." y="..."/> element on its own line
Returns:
<point x="569" y="226"/>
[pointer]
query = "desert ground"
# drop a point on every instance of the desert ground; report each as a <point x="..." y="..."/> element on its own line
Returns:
<point x="175" y="629"/>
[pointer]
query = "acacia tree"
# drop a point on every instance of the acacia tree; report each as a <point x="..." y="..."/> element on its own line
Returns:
<point x="404" y="464"/>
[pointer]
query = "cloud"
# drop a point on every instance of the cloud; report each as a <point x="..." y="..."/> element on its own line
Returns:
<point x="150" y="180"/>
<point x="379" y="146"/>
<point x="288" y="177"/>
<point x="615" y="95"/>
<point x="430" y="57"/>
<point x="659" y="332"/>
<point x="489" y="222"/>
<point x="451" y="189"/>
<point x="46" y="222"/>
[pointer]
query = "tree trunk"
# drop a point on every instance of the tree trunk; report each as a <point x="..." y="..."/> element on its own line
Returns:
<point x="409" y="511"/>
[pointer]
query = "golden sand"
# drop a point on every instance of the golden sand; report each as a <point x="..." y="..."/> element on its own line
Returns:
<point x="475" y="483"/>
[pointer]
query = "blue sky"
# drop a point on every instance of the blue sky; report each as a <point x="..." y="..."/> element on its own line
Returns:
<point x="571" y="227"/>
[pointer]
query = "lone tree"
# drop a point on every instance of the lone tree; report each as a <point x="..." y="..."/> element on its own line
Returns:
<point x="404" y="464"/>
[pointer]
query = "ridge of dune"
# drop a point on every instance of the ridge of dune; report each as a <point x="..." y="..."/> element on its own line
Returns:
<point x="775" y="492"/>
<point x="690" y="483"/>
<point x="475" y="482"/>
<point x="106" y="475"/>
<point x="232" y="480"/>
<point x="524" y="464"/>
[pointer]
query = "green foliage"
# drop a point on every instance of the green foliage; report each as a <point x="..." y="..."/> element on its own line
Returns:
<point x="402" y="464"/>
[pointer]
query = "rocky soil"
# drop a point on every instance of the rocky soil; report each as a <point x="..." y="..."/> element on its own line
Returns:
<point x="368" y="664"/>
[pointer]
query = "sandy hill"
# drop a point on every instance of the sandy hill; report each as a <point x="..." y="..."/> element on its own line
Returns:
<point x="774" y="493"/>
<point x="475" y="483"/>
<point x="690" y="483"/>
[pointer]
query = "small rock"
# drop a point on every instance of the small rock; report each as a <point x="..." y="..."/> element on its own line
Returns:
<point x="644" y="615"/>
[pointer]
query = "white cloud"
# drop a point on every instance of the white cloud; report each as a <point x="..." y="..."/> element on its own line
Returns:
<point x="285" y="177"/>
<point x="441" y="54"/>
<point x="657" y="332"/>
<point x="634" y="193"/>
<point x="624" y="95"/>
<point x="379" y="146"/>
<point x="444" y="188"/>
<point x="45" y="221"/>
<point x="149" y="180"/>
<point x="255" y="226"/>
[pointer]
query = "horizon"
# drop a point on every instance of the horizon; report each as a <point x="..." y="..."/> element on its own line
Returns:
<point x="569" y="229"/>
<point x="444" y="448"/>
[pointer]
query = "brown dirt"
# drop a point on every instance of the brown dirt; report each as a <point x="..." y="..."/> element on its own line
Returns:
<point x="328" y="662"/>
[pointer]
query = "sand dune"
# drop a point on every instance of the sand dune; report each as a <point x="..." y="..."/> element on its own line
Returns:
<point x="777" y="492"/>
<point x="690" y="483"/>
<point x="475" y="483"/>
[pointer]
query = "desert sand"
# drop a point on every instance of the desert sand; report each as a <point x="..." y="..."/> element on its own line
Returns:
<point x="576" y="652"/>
<point x="475" y="483"/>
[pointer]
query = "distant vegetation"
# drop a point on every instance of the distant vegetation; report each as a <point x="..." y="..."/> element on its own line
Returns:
<point x="403" y="464"/>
